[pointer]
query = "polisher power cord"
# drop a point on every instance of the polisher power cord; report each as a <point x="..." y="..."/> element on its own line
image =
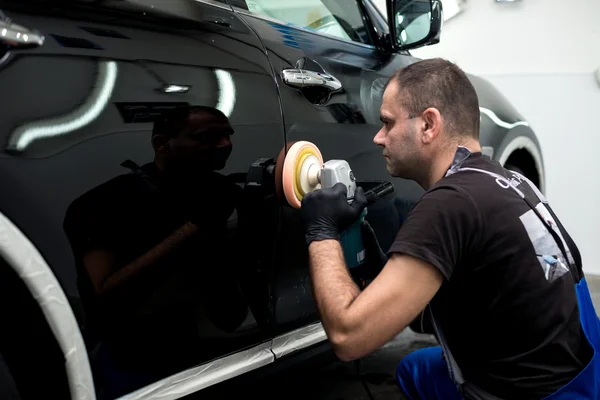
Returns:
<point x="361" y="373"/>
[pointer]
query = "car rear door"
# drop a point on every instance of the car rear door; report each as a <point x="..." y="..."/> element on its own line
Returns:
<point x="83" y="84"/>
<point x="339" y="40"/>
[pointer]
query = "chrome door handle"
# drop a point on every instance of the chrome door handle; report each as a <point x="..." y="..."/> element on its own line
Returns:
<point x="17" y="36"/>
<point x="301" y="78"/>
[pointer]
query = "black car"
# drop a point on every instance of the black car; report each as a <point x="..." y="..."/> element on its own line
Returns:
<point x="112" y="286"/>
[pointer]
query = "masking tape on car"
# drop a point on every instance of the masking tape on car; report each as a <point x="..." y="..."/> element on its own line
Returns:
<point x="22" y="256"/>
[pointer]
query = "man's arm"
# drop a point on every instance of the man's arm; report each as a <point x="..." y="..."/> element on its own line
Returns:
<point x="358" y="323"/>
<point x="99" y="263"/>
<point x="441" y="229"/>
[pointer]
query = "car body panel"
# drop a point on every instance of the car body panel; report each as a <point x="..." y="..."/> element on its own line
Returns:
<point x="342" y="127"/>
<point x="81" y="105"/>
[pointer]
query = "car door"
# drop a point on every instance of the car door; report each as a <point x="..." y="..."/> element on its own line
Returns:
<point x="127" y="132"/>
<point x="340" y="42"/>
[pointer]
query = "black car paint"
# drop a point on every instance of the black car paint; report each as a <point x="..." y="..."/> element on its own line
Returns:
<point x="342" y="127"/>
<point x="152" y="43"/>
<point x="175" y="42"/>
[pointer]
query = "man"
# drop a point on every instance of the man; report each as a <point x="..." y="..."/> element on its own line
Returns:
<point x="473" y="260"/>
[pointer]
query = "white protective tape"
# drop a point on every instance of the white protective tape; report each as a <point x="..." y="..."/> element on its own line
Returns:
<point x="22" y="256"/>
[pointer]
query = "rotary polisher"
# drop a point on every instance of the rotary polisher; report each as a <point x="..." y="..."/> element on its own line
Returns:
<point x="302" y="170"/>
<point x="298" y="170"/>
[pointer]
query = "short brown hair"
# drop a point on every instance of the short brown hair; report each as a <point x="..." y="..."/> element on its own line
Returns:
<point x="441" y="84"/>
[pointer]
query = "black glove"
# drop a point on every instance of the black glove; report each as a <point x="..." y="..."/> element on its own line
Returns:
<point x="326" y="212"/>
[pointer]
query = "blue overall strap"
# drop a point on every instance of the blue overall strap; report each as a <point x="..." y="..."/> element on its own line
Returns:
<point x="541" y="210"/>
<point x="586" y="385"/>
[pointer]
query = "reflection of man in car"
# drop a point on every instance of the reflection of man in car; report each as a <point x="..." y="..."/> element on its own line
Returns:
<point x="152" y="250"/>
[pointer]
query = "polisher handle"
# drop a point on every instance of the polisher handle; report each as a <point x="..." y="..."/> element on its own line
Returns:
<point x="378" y="192"/>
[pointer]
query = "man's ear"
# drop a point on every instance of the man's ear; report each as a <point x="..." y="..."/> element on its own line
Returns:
<point x="160" y="143"/>
<point x="431" y="124"/>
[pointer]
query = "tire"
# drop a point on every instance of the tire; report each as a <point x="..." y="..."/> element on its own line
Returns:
<point x="514" y="168"/>
<point x="517" y="139"/>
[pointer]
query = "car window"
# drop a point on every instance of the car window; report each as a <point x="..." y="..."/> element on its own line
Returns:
<point x="339" y="18"/>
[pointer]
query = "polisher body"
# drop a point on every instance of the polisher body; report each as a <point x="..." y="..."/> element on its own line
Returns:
<point x="339" y="171"/>
<point x="301" y="170"/>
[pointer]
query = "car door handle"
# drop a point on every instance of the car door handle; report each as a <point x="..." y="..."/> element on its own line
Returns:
<point x="17" y="36"/>
<point x="302" y="78"/>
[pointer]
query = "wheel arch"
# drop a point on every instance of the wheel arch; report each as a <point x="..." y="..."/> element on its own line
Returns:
<point x="505" y="134"/>
<point x="34" y="287"/>
<point x="521" y="148"/>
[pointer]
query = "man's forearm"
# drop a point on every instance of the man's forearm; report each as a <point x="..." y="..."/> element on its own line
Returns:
<point x="334" y="288"/>
<point x="164" y="248"/>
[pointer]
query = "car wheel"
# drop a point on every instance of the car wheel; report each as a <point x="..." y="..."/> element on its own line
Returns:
<point x="520" y="151"/>
<point x="514" y="168"/>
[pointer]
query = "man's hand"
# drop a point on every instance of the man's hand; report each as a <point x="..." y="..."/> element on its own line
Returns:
<point x="326" y="212"/>
<point x="356" y="322"/>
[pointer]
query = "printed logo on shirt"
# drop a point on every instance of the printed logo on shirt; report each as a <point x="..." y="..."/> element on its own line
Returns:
<point x="547" y="251"/>
<point x="515" y="181"/>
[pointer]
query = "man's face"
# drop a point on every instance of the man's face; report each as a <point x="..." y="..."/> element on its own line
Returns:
<point x="204" y="144"/>
<point x="399" y="137"/>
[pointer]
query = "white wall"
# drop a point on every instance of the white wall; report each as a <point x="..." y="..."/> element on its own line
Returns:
<point x="527" y="36"/>
<point x="542" y="55"/>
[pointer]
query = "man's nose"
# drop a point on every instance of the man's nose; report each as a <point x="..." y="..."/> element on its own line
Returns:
<point x="379" y="137"/>
<point x="224" y="141"/>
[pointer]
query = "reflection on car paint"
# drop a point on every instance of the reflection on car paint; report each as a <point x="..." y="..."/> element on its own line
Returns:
<point x="145" y="244"/>
<point x="492" y="115"/>
<point x="87" y="112"/>
<point x="85" y="148"/>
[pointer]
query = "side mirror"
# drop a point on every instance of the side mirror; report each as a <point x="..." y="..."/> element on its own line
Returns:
<point x="414" y="23"/>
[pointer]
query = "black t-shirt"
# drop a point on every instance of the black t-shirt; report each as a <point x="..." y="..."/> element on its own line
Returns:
<point x="511" y="321"/>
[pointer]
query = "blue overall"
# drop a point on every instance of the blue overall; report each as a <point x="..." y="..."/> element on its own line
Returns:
<point x="425" y="374"/>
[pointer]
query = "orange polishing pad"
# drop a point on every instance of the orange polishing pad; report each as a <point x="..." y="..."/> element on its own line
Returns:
<point x="299" y="171"/>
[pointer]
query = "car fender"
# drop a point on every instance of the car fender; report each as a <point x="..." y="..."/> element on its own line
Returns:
<point x="523" y="138"/>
